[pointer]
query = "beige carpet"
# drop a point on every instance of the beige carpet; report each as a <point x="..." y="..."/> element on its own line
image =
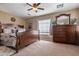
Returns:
<point x="47" y="48"/>
<point x="5" y="51"/>
<point x="46" y="37"/>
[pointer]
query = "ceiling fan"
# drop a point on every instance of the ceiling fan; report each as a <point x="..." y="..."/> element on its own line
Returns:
<point x="35" y="7"/>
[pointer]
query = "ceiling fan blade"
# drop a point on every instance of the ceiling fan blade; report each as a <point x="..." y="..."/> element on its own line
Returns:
<point x="29" y="9"/>
<point x="28" y="4"/>
<point x="38" y="4"/>
<point x="41" y="8"/>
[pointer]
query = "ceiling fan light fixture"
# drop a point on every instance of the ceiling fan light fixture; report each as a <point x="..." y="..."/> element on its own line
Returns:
<point x="34" y="9"/>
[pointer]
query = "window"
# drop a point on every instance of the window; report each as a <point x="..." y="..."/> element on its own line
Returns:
<point x="44" y="26"/>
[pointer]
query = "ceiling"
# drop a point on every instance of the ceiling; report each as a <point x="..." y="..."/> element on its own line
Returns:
<point x="20" y="9"/>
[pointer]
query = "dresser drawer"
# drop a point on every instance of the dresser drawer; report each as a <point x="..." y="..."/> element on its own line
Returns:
<point x="56" y="39"/>
<point x="59" y="36"/>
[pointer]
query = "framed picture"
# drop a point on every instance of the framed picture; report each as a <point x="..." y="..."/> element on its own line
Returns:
<point x="30" y="26"/>
<point x="13" y="19"/>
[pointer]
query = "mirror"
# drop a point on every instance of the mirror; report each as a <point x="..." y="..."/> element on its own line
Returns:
<point x="63" y="19"/>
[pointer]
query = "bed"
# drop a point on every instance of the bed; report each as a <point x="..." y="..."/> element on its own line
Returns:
<point x="19" y="39"/>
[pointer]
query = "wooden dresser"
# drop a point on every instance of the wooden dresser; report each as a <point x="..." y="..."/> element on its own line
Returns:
<point x="0" y="27"/>
<point x="64" y="33"/>
<point x="64" y="30"/>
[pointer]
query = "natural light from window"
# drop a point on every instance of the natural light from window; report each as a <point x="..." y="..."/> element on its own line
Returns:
<point x="44" y="26"/>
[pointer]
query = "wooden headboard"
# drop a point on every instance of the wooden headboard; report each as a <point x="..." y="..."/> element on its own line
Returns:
<point x="21" y="26"/>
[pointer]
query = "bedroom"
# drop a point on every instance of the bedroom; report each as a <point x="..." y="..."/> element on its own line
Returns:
<point x="25" y="29"/>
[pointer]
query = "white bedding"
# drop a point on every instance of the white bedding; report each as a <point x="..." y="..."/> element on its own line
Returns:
<point x="8" y="40"/>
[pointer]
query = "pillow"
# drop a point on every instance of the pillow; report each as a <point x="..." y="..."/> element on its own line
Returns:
<point x="7" y="30"/>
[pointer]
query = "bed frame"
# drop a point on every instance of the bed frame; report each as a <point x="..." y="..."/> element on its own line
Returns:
<point x="25" y="38"/>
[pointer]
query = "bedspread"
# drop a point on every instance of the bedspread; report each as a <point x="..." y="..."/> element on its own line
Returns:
<point x="8" y="40"/>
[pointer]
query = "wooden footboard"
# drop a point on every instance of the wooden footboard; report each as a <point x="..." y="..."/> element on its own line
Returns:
<point x="25" y="38"/>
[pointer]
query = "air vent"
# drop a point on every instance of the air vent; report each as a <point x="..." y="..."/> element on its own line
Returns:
<point x="60" y="5"/>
